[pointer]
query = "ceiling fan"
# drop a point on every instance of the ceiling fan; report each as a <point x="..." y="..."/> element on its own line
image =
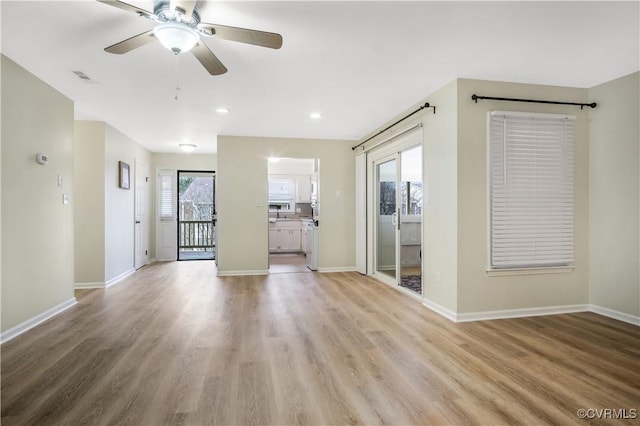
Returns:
<point x="178" y="28"/>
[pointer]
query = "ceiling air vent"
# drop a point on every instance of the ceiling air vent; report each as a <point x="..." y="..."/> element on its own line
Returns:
<point x="82" y="76"/>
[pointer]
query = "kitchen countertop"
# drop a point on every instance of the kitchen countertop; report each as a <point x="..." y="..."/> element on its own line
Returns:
<point x="290" y="219"/>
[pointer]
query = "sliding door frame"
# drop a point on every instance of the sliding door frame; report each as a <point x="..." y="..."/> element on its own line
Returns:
<point x="389" y="150"/>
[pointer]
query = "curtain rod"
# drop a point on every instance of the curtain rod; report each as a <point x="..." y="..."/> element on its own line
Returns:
<point x="475" y="98"/>
<point x="426" y="105"/>
<point x="392" y="137"/>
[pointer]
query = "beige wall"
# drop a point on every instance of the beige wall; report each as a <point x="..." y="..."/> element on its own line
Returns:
<point x="191" y="161"/>
<point x="440" y="169"/>
<point x="89" y="194"/>
<point x="242" y="200"/>
<point x="455" y="215"/>
<point x="104" y="221"/>
<point x="477" y="291"/>
<point x="204" y="162"/>
<point x="440" y="173"/>
<point x="119" y="203"/>
<point x="37" y="229"/>
<point x="614" y="201"/>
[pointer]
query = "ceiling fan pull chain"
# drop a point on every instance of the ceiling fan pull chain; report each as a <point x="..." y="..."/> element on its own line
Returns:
<point x="177" y="79"/>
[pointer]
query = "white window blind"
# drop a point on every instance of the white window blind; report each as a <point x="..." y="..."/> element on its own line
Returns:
<point x="531" y="190"/>
<point x="165" y="196"/>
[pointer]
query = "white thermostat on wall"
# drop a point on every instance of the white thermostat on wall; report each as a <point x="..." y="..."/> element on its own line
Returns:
<point x="42" y="158"/>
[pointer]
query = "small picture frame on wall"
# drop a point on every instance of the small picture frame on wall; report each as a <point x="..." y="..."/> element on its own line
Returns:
<point x="123" y="175"/>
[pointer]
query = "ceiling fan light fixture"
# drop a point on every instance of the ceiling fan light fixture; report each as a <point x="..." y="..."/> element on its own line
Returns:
<point x="176" y="37"/>
<point x="187" y="147"/>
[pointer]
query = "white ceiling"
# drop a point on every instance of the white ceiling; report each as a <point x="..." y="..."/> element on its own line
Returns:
<point x="357" y="63"/>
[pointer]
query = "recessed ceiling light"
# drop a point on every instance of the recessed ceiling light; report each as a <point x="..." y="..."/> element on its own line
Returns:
<point x="315" y="115"/>
<point x="187" y="147"/>
<point x="222" y="110"/>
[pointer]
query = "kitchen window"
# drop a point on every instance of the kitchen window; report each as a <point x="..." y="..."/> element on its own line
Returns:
<point x="281" y="189"/>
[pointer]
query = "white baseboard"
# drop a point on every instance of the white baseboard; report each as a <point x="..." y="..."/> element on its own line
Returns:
<point x="620" y="316"/>
<point x="241" y="273"/>
<point x="86" y="286"/>
<point x="112" y="281"/>
<point x="530" y="312"/>
<point x="119" y="278"/>
<point x="337" y="269"/>
<point x="521" y="313"/>
<point x="439" y="309"/>
<point x="38" y="319"/>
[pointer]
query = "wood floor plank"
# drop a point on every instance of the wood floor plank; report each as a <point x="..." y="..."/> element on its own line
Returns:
<point x="173" y="344"/>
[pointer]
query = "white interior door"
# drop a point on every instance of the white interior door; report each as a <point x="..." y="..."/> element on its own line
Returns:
<point x="166" y="216"/>
<point x="141" y="236"/>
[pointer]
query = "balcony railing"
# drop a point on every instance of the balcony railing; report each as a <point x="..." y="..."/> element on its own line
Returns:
<point x="196" y="234"/>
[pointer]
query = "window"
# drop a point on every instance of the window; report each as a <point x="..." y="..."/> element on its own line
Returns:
<point x="165" y="199"/>
<point x="411" y="198"/>
<point x="531" y="190"/>
<point x="281" y="189"/>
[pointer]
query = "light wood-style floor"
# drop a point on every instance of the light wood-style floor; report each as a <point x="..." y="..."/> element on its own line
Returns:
<point x="280" y="263"/>
<point x="172" y="344"/>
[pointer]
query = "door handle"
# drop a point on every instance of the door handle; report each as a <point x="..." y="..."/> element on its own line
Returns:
<point x="394" y="218"/>
<point x="398" y="219"/>
<point x="137" y="222"/>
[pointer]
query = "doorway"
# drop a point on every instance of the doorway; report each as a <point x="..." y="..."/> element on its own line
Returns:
<point x="397" y="230"/>
<point x="293" y="215"/>
<point x="196" y="215"/>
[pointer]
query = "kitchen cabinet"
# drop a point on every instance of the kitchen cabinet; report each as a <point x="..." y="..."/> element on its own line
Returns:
<point x="285" y="236"/>
<point x="290" y="239"/>
<point x="274" y="241"/>
<point x="303" y="188"/>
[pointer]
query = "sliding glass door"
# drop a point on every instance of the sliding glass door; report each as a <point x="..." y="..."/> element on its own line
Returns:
<point x="410" y="232"/>
<point x="387" y="217"/>
<point x="398" y="218"/>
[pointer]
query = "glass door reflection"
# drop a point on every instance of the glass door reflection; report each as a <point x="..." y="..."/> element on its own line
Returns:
<point x="411" y="219"/>
<point x="386" y="217"/>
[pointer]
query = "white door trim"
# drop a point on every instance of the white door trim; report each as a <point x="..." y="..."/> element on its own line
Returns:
<point x="166" y="228"/>
<point x="141" y="214"/>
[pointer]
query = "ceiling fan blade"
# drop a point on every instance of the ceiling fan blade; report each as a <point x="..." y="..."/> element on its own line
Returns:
<point x="242" y="35"/>
<point x="183" y="6"/>
<point x="131" y="43"/>
<point x="128" y="8"/>
<point x="208" y="59"/>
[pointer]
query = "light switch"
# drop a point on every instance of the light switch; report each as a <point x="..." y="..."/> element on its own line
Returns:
<point x="65" y="199"/>
<point x="60" y="181"/>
